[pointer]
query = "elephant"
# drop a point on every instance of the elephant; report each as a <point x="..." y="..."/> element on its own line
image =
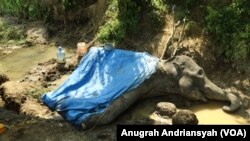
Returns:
<point x="177" y="75"/>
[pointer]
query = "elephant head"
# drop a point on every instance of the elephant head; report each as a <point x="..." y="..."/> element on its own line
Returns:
<point x="194" y="84"/>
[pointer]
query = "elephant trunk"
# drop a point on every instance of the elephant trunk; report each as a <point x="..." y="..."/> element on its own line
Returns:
<point x="214" y="92"/>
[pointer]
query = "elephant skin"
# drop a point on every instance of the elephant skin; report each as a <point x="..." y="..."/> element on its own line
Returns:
<point x="177" y="75"/>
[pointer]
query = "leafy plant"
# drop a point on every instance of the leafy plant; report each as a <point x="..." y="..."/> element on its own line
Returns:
<point x="124" y="16"/>
<point x="157" y="11"/>
<point x="31" y="9"/>
<point x="231" y="29"/>
<point x="108" y="31"/>
<point x="112" y="31"/>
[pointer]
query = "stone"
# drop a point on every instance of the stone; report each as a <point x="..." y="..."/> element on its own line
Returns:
<point x="166" y="109"/>
<point x="185" y="117"/>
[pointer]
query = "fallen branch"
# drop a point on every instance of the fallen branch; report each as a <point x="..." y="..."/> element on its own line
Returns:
<point x="180" y="37"/>
<point x="170" y="39"/>
<point x="91" y="43"/>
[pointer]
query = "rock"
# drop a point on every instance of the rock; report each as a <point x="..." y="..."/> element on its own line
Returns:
<point x="186" y="117"/>
<point x="166" y="109"/>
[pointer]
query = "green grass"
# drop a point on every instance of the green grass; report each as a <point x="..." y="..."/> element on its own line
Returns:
<point x="11" y="34"/>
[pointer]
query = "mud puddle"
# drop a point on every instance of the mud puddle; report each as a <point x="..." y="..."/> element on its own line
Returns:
<point x="208" y="113"/>
<point x="212" y="113"/>
<point x="16" y="64"/>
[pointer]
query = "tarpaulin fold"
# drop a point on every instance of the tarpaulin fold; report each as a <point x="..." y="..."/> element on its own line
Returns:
<point x="100" y="78"/>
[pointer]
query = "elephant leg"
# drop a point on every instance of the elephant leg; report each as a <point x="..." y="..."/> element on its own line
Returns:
<point x="114" y="109"/>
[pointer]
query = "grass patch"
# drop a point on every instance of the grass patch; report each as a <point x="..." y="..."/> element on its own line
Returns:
<point x="11" y="34"/>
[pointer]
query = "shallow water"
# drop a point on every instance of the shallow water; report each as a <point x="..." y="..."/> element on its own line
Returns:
<point x="212" y="113"/>
<point x="16" y="64"/>
<point x="209" y="113"/>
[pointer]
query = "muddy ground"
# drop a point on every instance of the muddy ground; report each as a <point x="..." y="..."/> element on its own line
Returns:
<point x="26" y="118"/>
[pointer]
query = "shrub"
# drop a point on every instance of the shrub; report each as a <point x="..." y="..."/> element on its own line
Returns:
<point x="30" y="9"/>
<point x="231" y="29"/>
<point x="123" y="18"/>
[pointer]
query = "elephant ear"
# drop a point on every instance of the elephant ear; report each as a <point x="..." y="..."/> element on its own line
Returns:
<point x="189" y="91"/>
<point x="185" y="84"/>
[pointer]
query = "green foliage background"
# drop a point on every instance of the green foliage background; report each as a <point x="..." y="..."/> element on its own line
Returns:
<point x="36" y="9"/>
<point x="227" y="21"/>
<point x="230" y="27"/>
<point x="124" y="16"/>
<point x="31" y="9"/>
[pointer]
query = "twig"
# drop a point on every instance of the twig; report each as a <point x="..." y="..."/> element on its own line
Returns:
<point x="180" y="37"/>
<point x="174" y="27"/>
<point x="91" y="43"/>
<point x="170" y="39"/>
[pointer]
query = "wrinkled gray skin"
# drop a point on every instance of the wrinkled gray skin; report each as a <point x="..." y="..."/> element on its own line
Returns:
<point x="178" y="75"/>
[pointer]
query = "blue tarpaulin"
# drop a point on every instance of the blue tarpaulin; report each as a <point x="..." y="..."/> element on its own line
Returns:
<point x="100" y="78"/>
